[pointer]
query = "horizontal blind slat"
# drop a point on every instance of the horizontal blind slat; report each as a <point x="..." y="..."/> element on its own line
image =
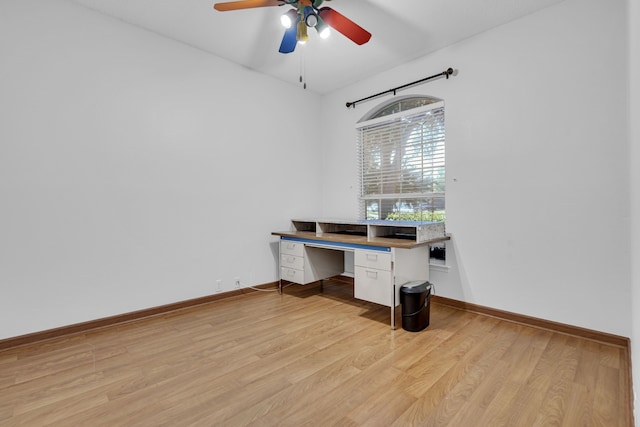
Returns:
<point x="403" y="159"/>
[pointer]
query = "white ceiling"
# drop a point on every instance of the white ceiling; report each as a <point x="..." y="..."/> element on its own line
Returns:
<point x="402" y="30"/>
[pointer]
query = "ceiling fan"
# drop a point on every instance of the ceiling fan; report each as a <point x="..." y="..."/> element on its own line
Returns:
<point x="305" y="13"/>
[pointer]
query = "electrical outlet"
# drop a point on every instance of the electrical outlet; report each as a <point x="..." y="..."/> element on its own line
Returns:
<point x="237" y="281"/>
<point x="218" y="285"/>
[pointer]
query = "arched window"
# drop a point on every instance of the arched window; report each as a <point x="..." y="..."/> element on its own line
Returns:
<point x="401" y="147"/>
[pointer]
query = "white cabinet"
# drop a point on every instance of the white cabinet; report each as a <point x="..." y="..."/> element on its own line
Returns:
<point x="378" y="275"/>
<point x="303" y="264"/>
<point x="373" y="277"/>
<point x="292" y="261"/>
<point x="292" y="254"/>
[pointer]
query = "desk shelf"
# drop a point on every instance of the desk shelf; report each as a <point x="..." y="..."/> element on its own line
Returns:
<point x="383" y="233"/>
<point x="303" y="226"/>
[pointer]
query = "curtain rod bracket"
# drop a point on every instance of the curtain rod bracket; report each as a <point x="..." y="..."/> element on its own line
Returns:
<point x="448" y="72"/>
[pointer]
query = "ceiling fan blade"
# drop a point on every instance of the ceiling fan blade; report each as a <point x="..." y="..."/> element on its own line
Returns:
<point x="344" y="25"/>
<point x="289" y="41"/>
<point x="246" y="4"/>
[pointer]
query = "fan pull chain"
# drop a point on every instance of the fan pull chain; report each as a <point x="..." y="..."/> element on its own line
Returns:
<point x="303" y="68"/>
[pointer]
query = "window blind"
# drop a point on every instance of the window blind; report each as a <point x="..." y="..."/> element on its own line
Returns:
<point x="402" y="162"/>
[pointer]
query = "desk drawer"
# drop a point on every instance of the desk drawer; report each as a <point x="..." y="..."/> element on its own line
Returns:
<point x="372" y="285"/>
<point x="289" y="247"/>
<point x="373" y="259"/>
<point x="292" y="275"/>
<point x="291" y="261"/>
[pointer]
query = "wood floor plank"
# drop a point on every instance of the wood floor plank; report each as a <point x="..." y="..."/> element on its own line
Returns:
<point x="477" y="403"/>
<point x="605" y="402"/>
<point x="579" y="407"/>
<point x="314" y="356"/>
<point x="556" y="400"/>
<point x="448" y="355"/>
<point x="57" y="412"/>
<point x="342" y="405"/>
<point x="463" y="383"/>
<point x="287" y="407"/>
<point x="382" y="409"/>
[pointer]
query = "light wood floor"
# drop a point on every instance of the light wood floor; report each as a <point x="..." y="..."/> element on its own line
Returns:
<point x="311" y="358"/>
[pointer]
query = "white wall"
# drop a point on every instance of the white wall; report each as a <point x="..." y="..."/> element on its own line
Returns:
<point x="634" y="113"/>
<point x="537" y="170"/>
<point x="135" y="171"/>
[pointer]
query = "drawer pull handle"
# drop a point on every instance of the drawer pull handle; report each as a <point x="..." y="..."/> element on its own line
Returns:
<point x="290" y="259"/>
<point x="372" y="274"/>
<point x="372" y="257"/>
<point x="291" y="273"/>
<point x="291" y="246"/>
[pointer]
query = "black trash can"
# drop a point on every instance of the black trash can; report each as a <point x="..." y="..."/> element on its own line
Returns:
<point x="415" y="299"/>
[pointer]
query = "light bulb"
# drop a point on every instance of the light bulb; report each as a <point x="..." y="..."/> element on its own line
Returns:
<point x="311" y="20"/>
<point x="288" y="18"/>
<point x="323" y="29"/>
<point x="325" y="33"/>
<point x="285" y="21"/>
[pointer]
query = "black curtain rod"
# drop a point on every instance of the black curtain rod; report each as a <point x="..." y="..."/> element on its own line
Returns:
<point x="446" y="73"/>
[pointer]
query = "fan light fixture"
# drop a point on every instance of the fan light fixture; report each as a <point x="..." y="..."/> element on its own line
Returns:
<point x="323" y="29"/>
<point x="311" y="19"/>
<point x="287" y="19"/>
<point x="305" y="13"/>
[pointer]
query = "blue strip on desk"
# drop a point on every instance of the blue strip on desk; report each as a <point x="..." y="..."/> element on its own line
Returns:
<point x="339" y="244"/>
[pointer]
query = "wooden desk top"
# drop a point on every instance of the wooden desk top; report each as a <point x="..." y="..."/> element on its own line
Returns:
<point x="358" y="240"/>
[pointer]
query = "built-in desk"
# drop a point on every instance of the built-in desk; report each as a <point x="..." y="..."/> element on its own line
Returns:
<point x="386" y="254"/>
